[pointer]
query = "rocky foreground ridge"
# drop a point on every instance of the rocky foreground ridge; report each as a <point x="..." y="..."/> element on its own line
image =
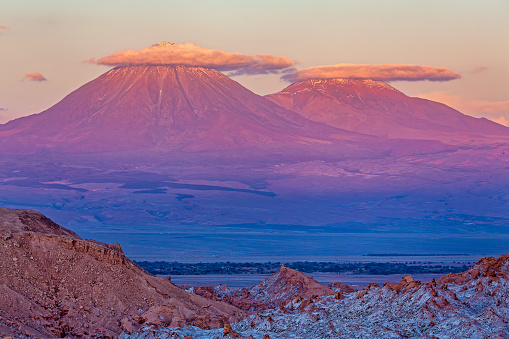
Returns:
<point x="54" y="284"/>
<point x="472" y="304"/>
<point x="278" y="289"/>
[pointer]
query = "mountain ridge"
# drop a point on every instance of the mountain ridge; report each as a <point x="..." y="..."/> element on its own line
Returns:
<point x="164" y="107"/>
<point x="376" y="108"/>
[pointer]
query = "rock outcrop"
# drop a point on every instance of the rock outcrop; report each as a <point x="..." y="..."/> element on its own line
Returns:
<point x="278" y="289"/>
<point x="55" y="284"/>
<point x="240" y="298"/>
<point x="472" y="304"/>
<point x="286" y="284"/>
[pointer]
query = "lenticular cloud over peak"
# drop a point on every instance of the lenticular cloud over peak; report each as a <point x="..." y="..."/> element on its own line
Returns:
<point x="387" y="72"/>
<point x="189" y="54"/>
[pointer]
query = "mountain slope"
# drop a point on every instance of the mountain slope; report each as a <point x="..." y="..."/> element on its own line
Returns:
<point x="375" y="108"/>
<point x="160" y="107"/>
<point x="55" y="284"/>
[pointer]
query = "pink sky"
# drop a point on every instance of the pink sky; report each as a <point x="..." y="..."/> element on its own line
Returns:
<point x="52" y="38"/>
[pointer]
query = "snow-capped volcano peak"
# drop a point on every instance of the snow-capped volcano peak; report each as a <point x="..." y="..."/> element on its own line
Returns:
<point x="360" y="85"/>
<point x="163" y="107"/>
<point x="374" y="107"/>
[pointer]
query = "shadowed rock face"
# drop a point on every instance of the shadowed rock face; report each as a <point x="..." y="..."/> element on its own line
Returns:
<point x="373" y="107"/>
<point x="55" y="284"/>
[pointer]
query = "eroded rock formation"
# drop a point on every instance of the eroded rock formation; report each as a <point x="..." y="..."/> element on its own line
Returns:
<point x="55" y="284"/>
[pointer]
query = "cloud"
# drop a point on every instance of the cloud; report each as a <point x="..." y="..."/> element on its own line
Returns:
<point x="388" y="72"/>
<point x="34" y="77"/>
<point x="497" y="111"/>
<point x="479" y="69"/>
<point x="3" y="109"/>
<point x="189" y="54"/>
<point x="3" y="27"/>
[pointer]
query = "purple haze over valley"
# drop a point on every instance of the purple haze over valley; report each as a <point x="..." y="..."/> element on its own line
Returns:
<point x="183" y="163"/>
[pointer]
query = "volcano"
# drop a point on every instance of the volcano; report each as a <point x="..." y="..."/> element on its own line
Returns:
<point x="376" y="108"/>
<point x="161" y="107"/>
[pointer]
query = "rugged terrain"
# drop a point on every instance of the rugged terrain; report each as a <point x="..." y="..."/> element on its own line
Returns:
<point x="472" y="304"/>
<point x="278" y="289"/>
<point x="54" y="284"/>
